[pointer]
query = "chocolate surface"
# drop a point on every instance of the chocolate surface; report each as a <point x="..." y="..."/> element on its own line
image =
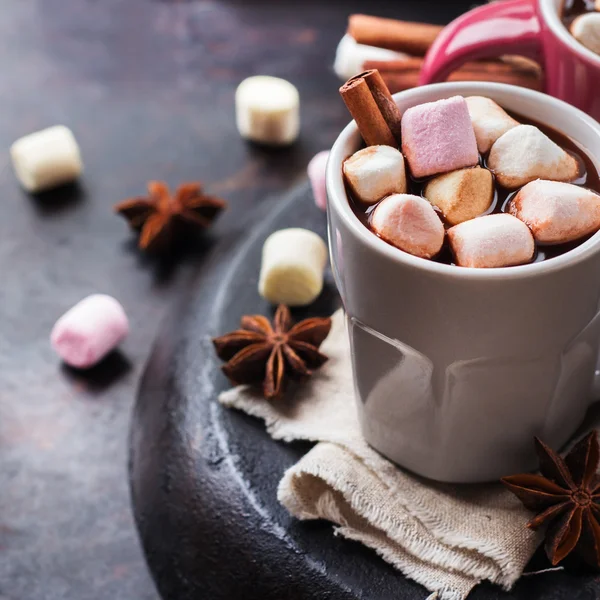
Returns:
<point x="573" y="8"/>
<point x="589" y="178"/>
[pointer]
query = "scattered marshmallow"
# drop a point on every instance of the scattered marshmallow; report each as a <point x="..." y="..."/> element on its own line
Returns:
<point x="268" y="110"/>
<point x="409" y="223"/>
<point x="438" y="137"/>
<point x="489" y="120"/>
<point x="46" y="159"/>
<point x="350" y="57"/>
<point x="461" y="195"/>
<point x="316" y="174"/>
<point x="556" y="212"/>
<point x="586" y="29"/>
<point x="375" y="172"/>
<point x="88" y="331"/>
<point x="498" y="240"/>
<point x="293" y="262"/>
<point x="524" y="153"/>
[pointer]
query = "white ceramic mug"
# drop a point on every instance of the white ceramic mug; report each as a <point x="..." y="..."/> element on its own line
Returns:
<point x="456" y="369"/>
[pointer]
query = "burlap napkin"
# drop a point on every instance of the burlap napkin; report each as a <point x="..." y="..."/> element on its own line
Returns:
<point x="446" y="537"/>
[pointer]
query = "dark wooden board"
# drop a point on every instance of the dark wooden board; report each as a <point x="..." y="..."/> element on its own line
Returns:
<point x="204" y="478"/>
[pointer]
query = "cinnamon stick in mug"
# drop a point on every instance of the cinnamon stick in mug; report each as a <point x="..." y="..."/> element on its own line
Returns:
<point x="368" y="100"/>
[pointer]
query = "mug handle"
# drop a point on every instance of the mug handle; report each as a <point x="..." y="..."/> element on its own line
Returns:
<point x="508" y="27"/>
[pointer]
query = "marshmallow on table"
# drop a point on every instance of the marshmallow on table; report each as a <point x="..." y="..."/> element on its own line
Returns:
<point x="293" y="262"/>
<point x="89" y="330"/>
<point x="498" y="240"/>
<point x="489" y="120"/>
<point x="586" y="30"/>
<point x="557" y="212"/>
<point x="350" y="57"/>
<point x="461" y="195"/>
<point x="46" y="159"/>
<point x="438" y="137"/>
<point x="267" y="110"/>
<point x="316" y="174"/>
<point x="375" y="172"/>
<point x="524" y="153"/>
<point x="409" y="223"/>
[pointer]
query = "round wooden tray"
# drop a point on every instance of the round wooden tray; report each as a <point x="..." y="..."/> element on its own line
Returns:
<point x="204" y="478"/>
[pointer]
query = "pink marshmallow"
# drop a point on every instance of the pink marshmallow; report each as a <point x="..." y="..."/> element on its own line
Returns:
<point x="88" y="331"/>
<point x="438" y="137"/>
<point x="316" y="175"/>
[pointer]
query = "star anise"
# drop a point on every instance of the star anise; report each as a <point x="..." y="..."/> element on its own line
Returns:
<point x="261" y="353"/>
<point x="160" y="215"/>
<point x="567" y="498"/>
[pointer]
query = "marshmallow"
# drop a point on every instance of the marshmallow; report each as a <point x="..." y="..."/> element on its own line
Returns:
<point x="350" y="57"/>
<point x="498" y="240"/>
<point x="46" y="159"/>
<point x="586" y="30"/>
<point x="438" y="137"/>
<point x="88" y="331"/>
<point x="409" y="223"/>
<point x="524" y="153"/>
<point x="375" y="172"/>
<point x="489" y="120"/>
<point x="293" y="261"/>
<point x="557" y="212"/>
<point x="267" y="110"/>
<point x="316" y="174"/>
<point x="461" y="195"/>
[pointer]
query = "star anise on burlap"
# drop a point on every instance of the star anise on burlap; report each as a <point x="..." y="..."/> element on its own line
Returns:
<point x="162" y="216"/>
<point x="567" y="498"/>
<point x="270" y="354"/>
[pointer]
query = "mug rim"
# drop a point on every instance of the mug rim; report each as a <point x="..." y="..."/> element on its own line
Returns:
<point x="551" y="18"/>
<point x="338" y="198"/>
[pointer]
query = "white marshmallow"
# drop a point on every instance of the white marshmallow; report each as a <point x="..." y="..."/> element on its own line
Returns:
<point x="586" y="30"/>
<point x="267" y="110"/>
<point x="293" y="262"/>
<point x="498" y="240"/>
<point x="350" y="57"/>
<point x="46" y="159"/>
<point x="410" y="224"/>
<point x="461" y="195"/>
<point x="375" y="172"/>
<point x="524" y="153"/>
<point x="557" y="212"/>
<point x="489" y="120"/>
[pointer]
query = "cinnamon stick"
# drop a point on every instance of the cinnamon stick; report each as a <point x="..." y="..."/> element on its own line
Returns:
<point x="400" y="81"/>
<point x="416" y="63"/>
<point x="401" y="36"/>
<point x="382" y="96"/>
<point x="363" y="107"/>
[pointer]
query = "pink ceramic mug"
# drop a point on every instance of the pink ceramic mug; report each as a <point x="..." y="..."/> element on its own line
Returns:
<point x="531" y="28"/>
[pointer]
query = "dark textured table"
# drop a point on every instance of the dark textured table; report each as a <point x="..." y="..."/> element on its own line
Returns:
<point x="147" y="86"/>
